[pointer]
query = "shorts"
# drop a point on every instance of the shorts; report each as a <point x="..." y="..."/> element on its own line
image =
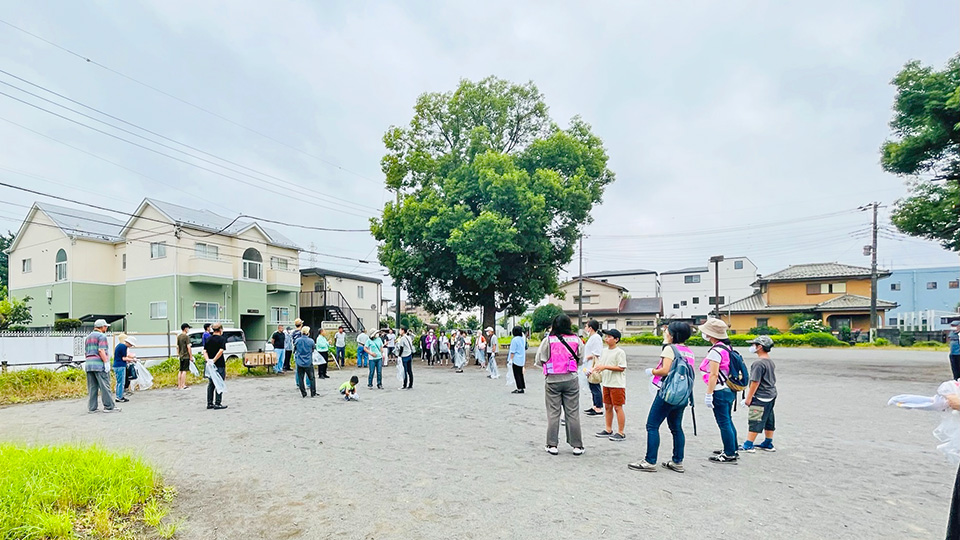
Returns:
<point x="760" y="416"/>
<point x="614" y="396"/>
<point x="184" y="364"/>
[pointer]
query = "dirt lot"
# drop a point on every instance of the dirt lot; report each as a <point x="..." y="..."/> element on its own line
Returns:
<point x="461" y="457"/>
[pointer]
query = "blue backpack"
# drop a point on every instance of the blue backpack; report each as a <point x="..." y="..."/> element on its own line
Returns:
<point x="739" y="377"/>
<point x="677" y="387"/>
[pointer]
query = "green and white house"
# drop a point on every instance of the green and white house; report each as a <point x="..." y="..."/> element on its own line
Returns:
<point x="165" y="264"/>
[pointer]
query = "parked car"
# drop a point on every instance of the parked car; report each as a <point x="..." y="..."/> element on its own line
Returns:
<point x="236" y="346"/>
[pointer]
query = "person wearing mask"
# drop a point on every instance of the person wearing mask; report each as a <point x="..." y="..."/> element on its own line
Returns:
<point x="493" y="347"/>
<point x="560" y="358"/>
<point x="287" y="348"/>
<point x="340" y="342"/>
<point x="362" y="360"/>
<point x="405" y="350"/>
<point x="277" y="340"/>
<point x="591" y="353"/>
<point x="323" y="347"/>
<point x="374" y="352"/>
<point x="96" y="367"/>
<point x="303" y="348"/>
<point x="390" y="344"/>
<point x="954" y="339"/>
<point x="431" y="341"/>
<point x="516" y="358"/>
<point x="761" y="397"/>
<point x="213" y="354"/>
<point x="122" y="359"/>
<point x="719" y="397"/>
<point x="675" y="338"/>
<point x="185" y="354"/>
<point x="460" y="346"/>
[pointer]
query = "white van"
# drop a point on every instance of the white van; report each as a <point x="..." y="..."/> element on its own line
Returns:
<point x="236" y="346"/>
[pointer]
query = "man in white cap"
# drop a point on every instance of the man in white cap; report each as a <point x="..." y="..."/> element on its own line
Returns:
<point x="96" y="366"/>
<point x="954" y="339"/>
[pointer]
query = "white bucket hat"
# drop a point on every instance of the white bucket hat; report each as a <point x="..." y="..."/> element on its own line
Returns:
<point x="131" y="341"/>
<point x="714" y="328"/>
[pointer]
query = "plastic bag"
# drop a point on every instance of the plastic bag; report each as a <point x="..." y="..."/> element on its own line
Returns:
<point x="492" y="367"/>
<point x="215" y="378"/>
<point x="509" y="370"/>
<point x="144" y="378"/>
<point x="193" y="369"/>
<point x="318" y="358"/>
<point x="400" y="371"/>
<point x="948" y="432"/>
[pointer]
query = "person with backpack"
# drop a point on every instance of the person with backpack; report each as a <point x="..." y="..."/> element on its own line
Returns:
<point x="761" y="396"/>
<point x="675" y="382"/>
<point x="561" y="360"/>
<point x="611" y="365"/>
<point x="725" y="374"/>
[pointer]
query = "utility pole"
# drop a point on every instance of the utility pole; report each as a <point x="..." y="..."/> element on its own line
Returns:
<point x="395" y="284"/>
<point x="716" y="260"/>
<point x="872" y="251"/>
<point x="580" y="298"/>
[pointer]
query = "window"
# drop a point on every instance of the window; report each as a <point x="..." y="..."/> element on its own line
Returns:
<point x="634" y="323"/>
<point x="955" y="284"/>
<point x="279" y="263"/>
<point x="945" y="320"/>
<point x="683" y="302"/>
<point x="360" y="292"/>
<point x="279" y="315"/>
<point x="895" y="286"/>
<point x="738" y="265"/>
<point x="158" y="250"/>
<point x="61" y="266"/>
<point x="123" y="261"/>
<point x="762" y="322"/>
<point x="206" y="311"/>
<point x="691" y="279"/>
<point x="206" y="251"/>
<point x="611" y="324"/>
<point x="252" y="265"/>
<point x="318" y="286"/>
<point x="26" y="266"/>
<point x="158" y="310"/>
<point x="826" y="288"/>
<point x="696" y="300"/>
<point x="676" y="306"/>
<point x="713" y="300"/>
<point x="892" y="321"/>
<point x="838" y="287"/>
<point x="931" y="284"/>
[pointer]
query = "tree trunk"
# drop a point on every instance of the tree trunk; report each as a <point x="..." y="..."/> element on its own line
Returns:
<point x="489" y="311"/>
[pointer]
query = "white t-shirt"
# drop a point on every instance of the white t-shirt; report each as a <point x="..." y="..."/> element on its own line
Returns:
<point x="340" y="339"/>
<point x="362" y="338"/>
<point x="594" y="347"/>
<point x="391" y="339"/>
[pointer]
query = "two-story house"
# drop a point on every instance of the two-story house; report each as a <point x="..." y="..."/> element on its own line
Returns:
<point x="689" y="293"/>
<point x="837" y="294"/>
<point x="165" y="265"/>
<point x="609" y="304"/>
<point x="351" y="300"/>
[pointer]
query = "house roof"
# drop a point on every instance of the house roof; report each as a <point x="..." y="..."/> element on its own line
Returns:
<point x="641" y="305"/>
<point x="814" y="271"/>
<point x="321" y="272"/>
<point x="83" y="224"/>
<point x="595" y="282"/>
<point x="608" y="273"/>
<point x="755" y="304"/>
<point x="691" y="270"/>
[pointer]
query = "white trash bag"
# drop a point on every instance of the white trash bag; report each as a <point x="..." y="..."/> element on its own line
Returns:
<point x="509" y="370"/>
<point x="193" y="369"/>
<point x="144" y="379"/>
<point x="948" y="432"/>
<point x="318" y="358"/>
<point x="215" y="378"/>
<point x="400" y="371"/>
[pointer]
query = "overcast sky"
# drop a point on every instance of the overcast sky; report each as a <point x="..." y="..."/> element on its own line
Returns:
<point x="736" y="128"/>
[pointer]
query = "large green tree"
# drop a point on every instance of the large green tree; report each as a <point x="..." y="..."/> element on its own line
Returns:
<point x="926" y="141"/>
<point x="493" y="197"/>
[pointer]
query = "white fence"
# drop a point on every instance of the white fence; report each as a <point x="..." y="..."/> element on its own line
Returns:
<point x="21" y="350"/>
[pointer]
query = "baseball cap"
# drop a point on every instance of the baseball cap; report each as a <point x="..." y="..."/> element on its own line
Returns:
<point x="489" y="329"/>
<point x="100" y="323"/>
<point x="612" y="332"/>
<point x="763" y="341"/>
<point x="184" y="326"/>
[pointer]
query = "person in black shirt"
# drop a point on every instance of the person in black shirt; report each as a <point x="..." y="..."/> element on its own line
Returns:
<point x="213" y="351"/>
<point x="277" y="340"/>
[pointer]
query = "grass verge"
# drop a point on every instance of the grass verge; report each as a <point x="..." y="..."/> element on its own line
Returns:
<point x="79" y="491"/>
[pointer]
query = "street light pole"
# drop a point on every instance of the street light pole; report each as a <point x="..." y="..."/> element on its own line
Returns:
<point x="716" y="260"/>
<point x="580" y="298"/>
<point x="872" y="248"/>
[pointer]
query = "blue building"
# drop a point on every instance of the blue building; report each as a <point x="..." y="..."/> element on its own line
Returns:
<point x="927" y="298"/>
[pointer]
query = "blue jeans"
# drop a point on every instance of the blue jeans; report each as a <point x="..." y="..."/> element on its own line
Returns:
<point x="121" y="374"/>
<point x="279" y="367"/>
<point x="361" y="356"/>
<point x="341" y="354"/>
<point x="723" y="412"/>
<point x="597" y="393"/>
<point x="660" y="410"/>
<point x="376" y="364"/>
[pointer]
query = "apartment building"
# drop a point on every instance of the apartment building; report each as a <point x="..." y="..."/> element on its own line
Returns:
<point x="639" y="283"/>
<point x="689" y="293"/>
<point x="609" y="304"/>
<point x="351" y="300"/>
<point x="927" y="298"/>
<point x="165" y="265"/>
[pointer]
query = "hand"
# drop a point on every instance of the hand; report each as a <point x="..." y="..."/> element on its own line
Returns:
<point x="953" y="400"/>
<point x="748" y="401"/>
<point x="649" y="371"/>
<point x="708" y="400"/>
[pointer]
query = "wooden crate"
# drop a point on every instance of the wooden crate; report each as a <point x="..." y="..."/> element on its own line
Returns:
<point x="259" y="359"/>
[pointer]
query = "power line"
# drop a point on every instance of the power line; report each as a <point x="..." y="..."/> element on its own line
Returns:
<point x="185" y="102"/>
<point x="164" y="137"/>
<point x="728" y="229"/>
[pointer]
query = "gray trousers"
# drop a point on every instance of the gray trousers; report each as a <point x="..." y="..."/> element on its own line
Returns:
<point x="565" y="395"/>
<point x="99" y="382"/>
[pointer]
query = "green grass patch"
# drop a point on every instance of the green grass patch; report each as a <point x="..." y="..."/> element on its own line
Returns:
<point x="79" y="491"/>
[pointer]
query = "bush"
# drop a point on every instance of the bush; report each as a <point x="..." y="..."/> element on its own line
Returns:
<point x="66" y="325"/>
<point x="930" y="344"/>
<point x="17" y="328"/>
<point x="810" y="326"/>
<point x="789" y="340"/>
<point x="799" y="318"/>
<point x="764" y="331"/>
<point x="906" y="340"/>
<point x="823" y="339"/>
<point x="881" y="342"/>
<point x="845" y="334"/>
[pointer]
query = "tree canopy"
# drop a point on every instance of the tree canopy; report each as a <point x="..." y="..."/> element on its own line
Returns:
<point x="926" y="140"/>
<point x="6" y="240"/>
<point x="493" y="197"/>
<point x="543" y="316"/>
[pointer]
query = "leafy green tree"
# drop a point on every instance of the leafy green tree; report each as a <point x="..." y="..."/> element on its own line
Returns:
<point x="411" y="321"/>
<point x="473" y="323"/>
<point x="14" y="312"/>
<point x="543" y="316"/>
<point x="493" y="197"/>
<point x="926" y="140"/>
<point x="6" y="240"/>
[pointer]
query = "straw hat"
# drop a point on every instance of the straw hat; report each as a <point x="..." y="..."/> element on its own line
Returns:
<point x="714" y="328"/>
<point x="130" y="340"/>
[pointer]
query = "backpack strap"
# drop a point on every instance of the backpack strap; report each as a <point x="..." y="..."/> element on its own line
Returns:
<point x="569" y="348"/>
<point x="721" y="378"/>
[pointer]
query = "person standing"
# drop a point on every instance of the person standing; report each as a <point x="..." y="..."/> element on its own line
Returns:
<point x="121" y="360"/>
<point x="213" y="354"/>
<point x="443" y="347"/>
<point x="323" y="347"/>
<point x="405" y="346"/>
<point x="493" y="347"/>
<point x="954" y="338"/>
<point x="278" y="340"/>
<point x="719" y="397"/>
<point x="206" y="334"/>
<point x="431" y="341"/>
<point x="287" y="348"/>
<point x="95" y="366"/>
<point x="761" y="397"/>
<point x="592" y="351"/>
<point x="391" y="345"/>
<point x="303" y="357"/>
<point x="362" y="338"/>
<point x="374" y="350"/>
<point x="340" y="342"/>
<point x="460" y="347"/>
<point x="185" y="354"/>
<point x="612" y="366"/>
<point x="560" y="359"/>
<point x="516" y="357"/>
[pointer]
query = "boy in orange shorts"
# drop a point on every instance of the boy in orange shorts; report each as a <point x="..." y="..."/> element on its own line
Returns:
<point x="612" y="366"/>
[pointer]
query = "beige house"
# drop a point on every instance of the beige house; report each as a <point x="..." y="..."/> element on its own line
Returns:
<point x="609" y="304"/>
<point x="351" y="300"/>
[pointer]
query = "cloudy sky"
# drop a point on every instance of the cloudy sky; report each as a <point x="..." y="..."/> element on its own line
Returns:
<point x="737" y="128"/>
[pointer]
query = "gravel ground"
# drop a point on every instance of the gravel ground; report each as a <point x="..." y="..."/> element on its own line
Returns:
<point x="461" y="457"/>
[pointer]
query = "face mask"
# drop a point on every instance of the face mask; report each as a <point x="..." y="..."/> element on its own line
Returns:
<point x="753" y="348"/>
